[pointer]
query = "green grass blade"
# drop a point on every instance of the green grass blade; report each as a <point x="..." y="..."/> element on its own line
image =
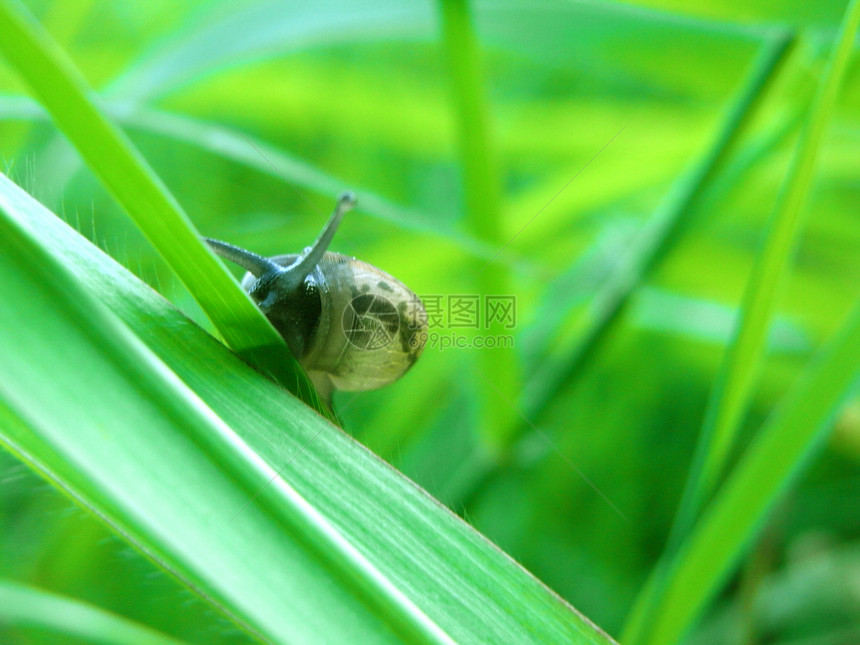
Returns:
<point x="68" y="619"/>
<point x="260" y="30"/>
<point x="112" y="157"/>
<point x="662" y="231"/>
<point x="128" y="390"/>
<point x="479" y="161"/>
<point x="659" y="235"/>
<point x="482" y="194"/>
<point x="274" y="161"/>
<point x="735" y="383"/>
<point x="737" y="377"/>
<point x="172" y="486"/>
<point x="770" y="465"/>
<point x="278" y="163"/>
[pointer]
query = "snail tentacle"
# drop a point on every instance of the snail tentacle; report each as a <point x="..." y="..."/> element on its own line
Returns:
<point x="256" y="264"/>
<point x="296" y="273"/>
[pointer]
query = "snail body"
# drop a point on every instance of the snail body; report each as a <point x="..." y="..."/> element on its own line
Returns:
<point x="350" y="325"/>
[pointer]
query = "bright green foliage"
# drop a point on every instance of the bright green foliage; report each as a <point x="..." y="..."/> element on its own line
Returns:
<point x="174" y="453"/>
<point x="62" y="619"/>
<point x="117" y="163"/>
<point x="668" y="188"/>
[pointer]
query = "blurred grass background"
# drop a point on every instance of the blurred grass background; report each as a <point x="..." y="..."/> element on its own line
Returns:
<point x="623" y="99"/>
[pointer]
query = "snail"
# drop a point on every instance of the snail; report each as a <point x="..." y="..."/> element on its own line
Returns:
<point x="350" y="325"/>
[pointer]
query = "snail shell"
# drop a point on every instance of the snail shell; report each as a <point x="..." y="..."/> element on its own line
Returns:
<point x="351" y="326"/>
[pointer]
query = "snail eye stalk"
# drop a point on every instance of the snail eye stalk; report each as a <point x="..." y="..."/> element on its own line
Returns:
<point x="296" y="273"/>
<point x="256" y="264"/>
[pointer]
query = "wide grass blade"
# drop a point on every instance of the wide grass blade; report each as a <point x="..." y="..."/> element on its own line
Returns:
<point x="165" y="447"/>
<point x="113" y="158"/>
<point x="162" y="442"/>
